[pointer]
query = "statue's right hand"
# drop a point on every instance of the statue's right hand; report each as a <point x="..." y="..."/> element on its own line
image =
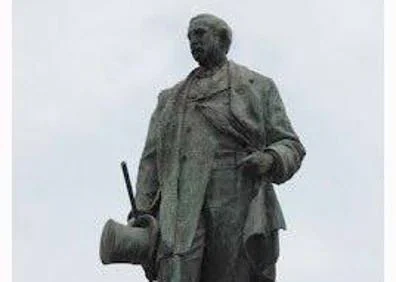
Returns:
<point x="132" y="215"/>
<point x="141" y="220"/>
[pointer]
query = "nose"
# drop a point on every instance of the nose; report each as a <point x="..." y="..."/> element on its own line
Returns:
<point x="194" y="40"/>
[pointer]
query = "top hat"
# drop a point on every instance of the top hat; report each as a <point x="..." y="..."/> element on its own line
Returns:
<point x="133" y="243"/>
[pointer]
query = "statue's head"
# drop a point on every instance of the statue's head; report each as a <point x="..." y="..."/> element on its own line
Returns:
<point x="210" y="38"/>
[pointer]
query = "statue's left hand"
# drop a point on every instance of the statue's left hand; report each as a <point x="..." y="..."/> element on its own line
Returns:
<point x="257" y="162"/>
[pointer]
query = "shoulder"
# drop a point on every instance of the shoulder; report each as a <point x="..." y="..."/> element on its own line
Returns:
<point x="170" y="92"/>
<point x="245" y="75"/>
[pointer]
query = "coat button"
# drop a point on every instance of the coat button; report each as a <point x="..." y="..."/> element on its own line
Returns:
<point x="188" y="129"/>
<point x="183" y="158"/>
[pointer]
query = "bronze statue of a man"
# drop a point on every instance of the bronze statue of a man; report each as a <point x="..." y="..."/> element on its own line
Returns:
<point x="216" y="143"/>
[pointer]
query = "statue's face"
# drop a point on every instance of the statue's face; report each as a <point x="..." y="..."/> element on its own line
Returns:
<point x="204" y="43"/>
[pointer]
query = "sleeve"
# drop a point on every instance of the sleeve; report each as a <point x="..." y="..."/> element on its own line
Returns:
<point x="147" y="186"/>
<point x="281" y="139"/>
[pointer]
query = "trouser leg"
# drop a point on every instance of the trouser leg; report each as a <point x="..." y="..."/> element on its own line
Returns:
<point x="223" y="257"/>
<point x="265" y="262"/>
<point x="225" y="210"/>
<point x="184" y="267"/>
<point x="267" y="276"/>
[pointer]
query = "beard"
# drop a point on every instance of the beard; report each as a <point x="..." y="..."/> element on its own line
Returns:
<point x="198" y="54"/>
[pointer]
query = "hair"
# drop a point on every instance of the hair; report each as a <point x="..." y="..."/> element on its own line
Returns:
<point x="219" y="26"/>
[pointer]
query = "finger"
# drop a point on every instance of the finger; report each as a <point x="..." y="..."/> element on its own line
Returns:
<point x="131" y="222"/>
<point x="244" y="162"/>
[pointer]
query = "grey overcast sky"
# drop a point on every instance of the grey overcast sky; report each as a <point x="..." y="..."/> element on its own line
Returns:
<point x="86" y="77"/>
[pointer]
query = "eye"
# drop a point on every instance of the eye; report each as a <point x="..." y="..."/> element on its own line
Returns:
<point x="200" y="31"/>
<point x="197" y="32"/>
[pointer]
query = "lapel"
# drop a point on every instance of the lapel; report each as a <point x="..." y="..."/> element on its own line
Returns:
<point x="173" y="106"/>
<point x="246" y="103"/>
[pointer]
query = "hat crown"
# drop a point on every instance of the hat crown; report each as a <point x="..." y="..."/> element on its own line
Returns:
<point x="133" y="244"/>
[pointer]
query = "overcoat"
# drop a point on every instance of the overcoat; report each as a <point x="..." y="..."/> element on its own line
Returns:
<point x="259" y="119"/>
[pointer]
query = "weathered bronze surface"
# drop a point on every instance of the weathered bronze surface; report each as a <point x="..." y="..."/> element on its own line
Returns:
<point x="216" y="143"/>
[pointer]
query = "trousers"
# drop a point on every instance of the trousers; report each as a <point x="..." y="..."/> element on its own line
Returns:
<point x="211" y="257"/>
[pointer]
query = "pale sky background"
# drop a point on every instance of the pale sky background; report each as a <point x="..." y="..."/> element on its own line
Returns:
<point x="86" y="77"/>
